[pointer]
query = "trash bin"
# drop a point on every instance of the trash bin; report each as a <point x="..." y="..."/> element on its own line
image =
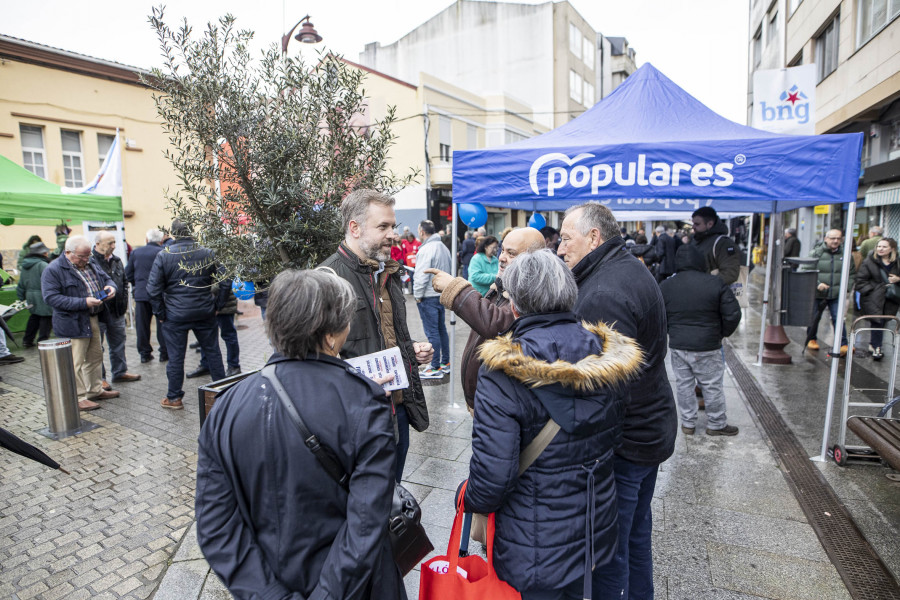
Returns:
<point x="58" y="371"/>
<point x="798" y="292"/>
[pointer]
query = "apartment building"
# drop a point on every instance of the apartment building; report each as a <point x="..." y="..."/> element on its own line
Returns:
<point x="855" y="45"/>
<point x="546" y="56"/>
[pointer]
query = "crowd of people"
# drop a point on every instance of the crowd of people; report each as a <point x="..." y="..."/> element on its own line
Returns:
<point x="565" y="364"/>
<point x="569" y="333"/>
<point x="81" y="292"/>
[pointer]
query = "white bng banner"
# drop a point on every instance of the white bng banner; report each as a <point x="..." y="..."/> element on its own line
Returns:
<point x="784" y="100"/>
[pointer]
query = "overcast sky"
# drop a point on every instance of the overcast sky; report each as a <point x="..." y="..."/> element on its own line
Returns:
<point x="699" y="44"/>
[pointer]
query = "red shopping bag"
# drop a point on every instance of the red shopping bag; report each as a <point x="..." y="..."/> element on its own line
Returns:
<point x="468" y="578"/>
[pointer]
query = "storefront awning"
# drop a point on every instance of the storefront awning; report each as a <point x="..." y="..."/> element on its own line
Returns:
<point x="883" y="194"/>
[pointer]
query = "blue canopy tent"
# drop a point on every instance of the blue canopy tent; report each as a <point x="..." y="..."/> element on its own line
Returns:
<point x="651" y="146"/>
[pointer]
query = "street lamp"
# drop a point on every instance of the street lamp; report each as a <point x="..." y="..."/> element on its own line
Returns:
<point x="307" y="34"/>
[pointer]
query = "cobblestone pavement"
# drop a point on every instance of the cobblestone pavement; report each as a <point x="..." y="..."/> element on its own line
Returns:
<point x="111" y="528"/>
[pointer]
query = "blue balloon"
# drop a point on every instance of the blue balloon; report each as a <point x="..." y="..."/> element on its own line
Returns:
<point x="537" y="221"/>
<point x="473" y="215"/>
<point x="244" y="290"/>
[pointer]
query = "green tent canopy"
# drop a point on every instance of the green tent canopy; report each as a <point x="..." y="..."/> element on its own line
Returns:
<point x="26" y="199"/>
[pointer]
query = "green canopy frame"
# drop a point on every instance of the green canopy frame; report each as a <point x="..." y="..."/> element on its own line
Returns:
<point x="26" y="199"/>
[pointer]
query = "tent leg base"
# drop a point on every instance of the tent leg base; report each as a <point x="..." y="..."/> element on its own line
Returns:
<point x="774" y="341"/>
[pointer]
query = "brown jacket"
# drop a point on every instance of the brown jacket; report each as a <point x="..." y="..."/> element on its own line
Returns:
<point x="488" y="316"/>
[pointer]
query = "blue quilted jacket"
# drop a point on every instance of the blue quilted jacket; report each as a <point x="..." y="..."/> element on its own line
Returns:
<point x="549" y="364"/>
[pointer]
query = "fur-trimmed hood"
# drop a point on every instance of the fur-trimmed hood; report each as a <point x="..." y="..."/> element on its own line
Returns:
<point x="619" y="362"/>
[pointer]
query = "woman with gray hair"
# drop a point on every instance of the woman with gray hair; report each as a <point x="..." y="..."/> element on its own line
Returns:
<point x="270" y="520"/>
<point x="556" y="520"/>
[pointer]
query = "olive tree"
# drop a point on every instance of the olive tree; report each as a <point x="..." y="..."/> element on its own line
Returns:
<point x="265" y="149"/>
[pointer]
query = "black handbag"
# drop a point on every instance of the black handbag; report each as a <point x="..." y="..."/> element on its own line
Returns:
<point x="409" y="542"/>
<point x="892" y="291"/>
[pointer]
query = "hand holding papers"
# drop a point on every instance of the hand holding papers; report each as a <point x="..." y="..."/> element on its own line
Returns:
<point x="381" y="364"/>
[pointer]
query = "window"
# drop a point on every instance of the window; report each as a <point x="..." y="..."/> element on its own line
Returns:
<point x="444" y="137"/>
<point x="512" y="136"/>
<point x="866" y="158"/>
<point x="873" y="15"/>
<point x="575" y="86"/>
<point x="587" y="51"/>
<point x="471" y="137"/>
<point x="894" y="141"/>
<point x="104" y="143"/>
<point x="33" y="149"/>
<point x="72" y="160"/>
<point x="757" y="48"/>
<point x="575" y="40"/>
<point x="588" y="94"/>
<point x="797" y="60"/>
<point x="772" y="27"/>
<point x="794" y="5"/>
<point x="827" y="49"/>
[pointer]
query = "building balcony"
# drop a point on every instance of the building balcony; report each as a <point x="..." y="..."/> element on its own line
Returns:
<point x="441" y="173"/>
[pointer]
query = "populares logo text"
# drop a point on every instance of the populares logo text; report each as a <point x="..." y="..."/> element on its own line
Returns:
<point x="659" y="174"/>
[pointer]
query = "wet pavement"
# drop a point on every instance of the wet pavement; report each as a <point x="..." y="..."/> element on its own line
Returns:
<point x="726" y="524"/>
<point x="800" y="393"/>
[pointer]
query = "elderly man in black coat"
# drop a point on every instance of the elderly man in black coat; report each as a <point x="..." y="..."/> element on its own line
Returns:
<point x="701" y="310"/>
<point x="666" y="246"/>
<point x="271" y="521"/>
<point x="137" y="273"/>
<point x="179" y="290"/>
<point x="791" y="243"/>
<point x="113" y="327"/>
<point x="616" y="288"/>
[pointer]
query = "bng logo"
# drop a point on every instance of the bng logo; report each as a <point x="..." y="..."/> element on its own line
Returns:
<point x="793" y="106"/>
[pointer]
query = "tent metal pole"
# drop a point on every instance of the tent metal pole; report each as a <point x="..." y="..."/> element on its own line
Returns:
<point x="765" y="306"/>
<point x="750" y="241"/>
<point x="454" y="243"/>
<point x="838" y="329"/>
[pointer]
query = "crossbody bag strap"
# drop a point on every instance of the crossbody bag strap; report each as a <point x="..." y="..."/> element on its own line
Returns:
<point x="537" y="445"/>
<point x="322" y="453"/>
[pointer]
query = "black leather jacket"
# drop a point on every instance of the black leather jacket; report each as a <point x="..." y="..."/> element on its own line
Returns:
<point x="365" y="328"/>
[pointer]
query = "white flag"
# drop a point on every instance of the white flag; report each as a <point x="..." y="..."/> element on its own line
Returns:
<point x="108" y="181"/>
<point x="784" y="100"/>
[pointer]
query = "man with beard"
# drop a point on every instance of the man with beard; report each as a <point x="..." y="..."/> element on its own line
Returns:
<point x="364" y="260"/>
<point x="711" y="239"/>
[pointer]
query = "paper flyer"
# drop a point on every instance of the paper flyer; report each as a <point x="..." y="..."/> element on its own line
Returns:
<point x="380" y="364"/>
